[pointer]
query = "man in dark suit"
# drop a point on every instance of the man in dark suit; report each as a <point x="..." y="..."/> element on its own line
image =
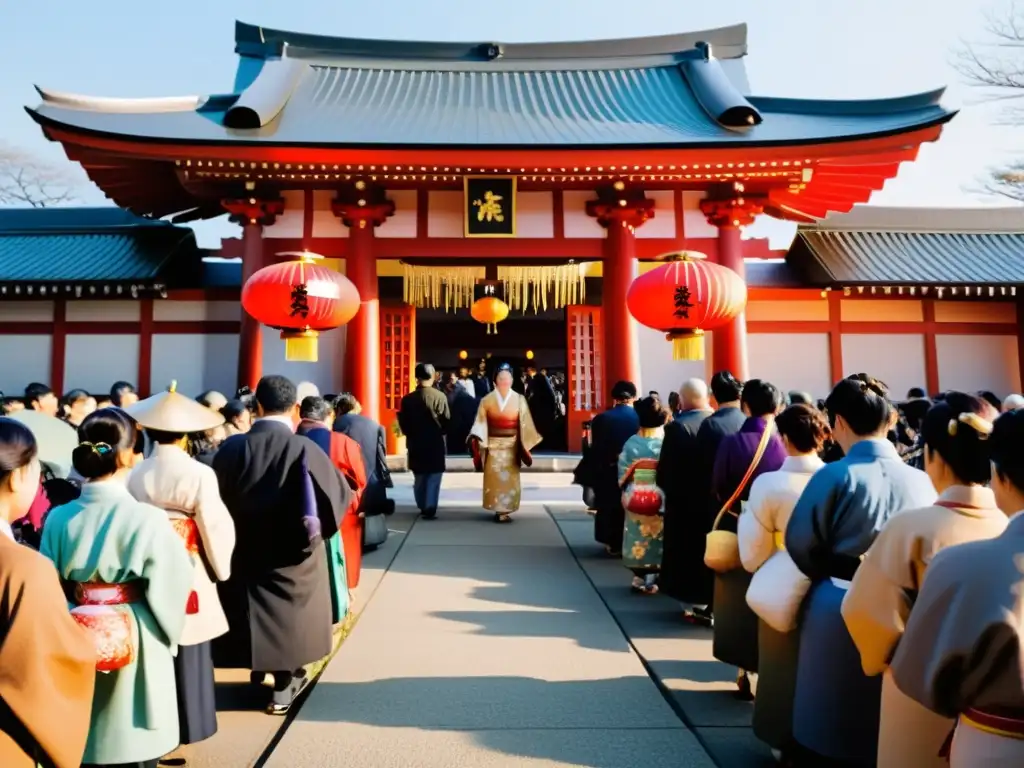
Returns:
<point x="285" y="497"/>
<point x="608" y="434"/>
<point x="350" y="421"/>
<point x="423" y="416"/>
<point x="677" y="477"/>
<point x="727" y="419"/>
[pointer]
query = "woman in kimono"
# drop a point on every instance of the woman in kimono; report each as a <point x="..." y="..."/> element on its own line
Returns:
<point x="740" y="459"/>
<point x="187" y="491"/>
<point x="501" y="439"/>
<point x="956" y="457"/>
<point x="48" y="662"/>
<point x="762" y="530"/>
<point x="845" y="504"/>
<point x="113" y="550"/>
<point x="962" y="652"/>
<point x="641" y="499"/>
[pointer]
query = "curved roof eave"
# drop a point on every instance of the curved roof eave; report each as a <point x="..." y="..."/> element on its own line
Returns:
<point x="67" y="122"/>
<point x="253" y="40"/>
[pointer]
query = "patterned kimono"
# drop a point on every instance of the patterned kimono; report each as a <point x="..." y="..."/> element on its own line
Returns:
<point x="106" y="536"/>
<point x="504" y="436"/>
<point x="642" y="533"/>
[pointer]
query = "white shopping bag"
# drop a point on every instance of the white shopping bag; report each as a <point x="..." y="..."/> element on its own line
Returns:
<point x="776" y="592"/>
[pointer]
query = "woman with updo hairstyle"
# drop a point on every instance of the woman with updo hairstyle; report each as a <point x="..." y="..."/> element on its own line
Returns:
<point x="643" y="502"/>
<point x="956" y="437"/>
<point x="962" y="652"/>
<point x="111" y="550"/>
<point x="835" y="521"/>
<point x="48" y="663"/>
<point x="761" y="530"/>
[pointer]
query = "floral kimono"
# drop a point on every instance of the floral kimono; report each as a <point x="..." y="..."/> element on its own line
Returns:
<point x="642" y="502"/>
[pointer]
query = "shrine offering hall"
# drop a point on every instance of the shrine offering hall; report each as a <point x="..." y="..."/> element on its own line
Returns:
<point x="550" y="174"/>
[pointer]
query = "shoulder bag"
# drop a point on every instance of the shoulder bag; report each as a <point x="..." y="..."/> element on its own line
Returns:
<point x="722" y="548"/>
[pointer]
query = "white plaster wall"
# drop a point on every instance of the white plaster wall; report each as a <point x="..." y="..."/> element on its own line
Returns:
<point x="658" y="371"/>
<point x="664" y="222"/>
<point x="403" y="222"/>
<point x="445" y="215"/>
<point x="94" y="362"/>
<point x="186" y="311"/>
<point x="290" y="223"/>
<point x="26" y="311"/>
<point x="325" y="373"/>
<point x="23" y="360"/>
<point x="198" y="362"/>
<point x="124" y="311"/>
<point x="535" y="214"/>
<point x="791" y="361"/>
<point x="325" y="223"/>
<point x="576" y="223"/>
<point x="895" y="358"/>
<point x="695" y="223"/>
<point x="972" y="363"/>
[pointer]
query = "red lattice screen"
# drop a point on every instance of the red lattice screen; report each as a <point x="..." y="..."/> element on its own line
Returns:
<point x="398" y="359"/>
<point x="585" y="369"/>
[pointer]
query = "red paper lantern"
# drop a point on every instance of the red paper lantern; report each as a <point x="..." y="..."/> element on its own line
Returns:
<point x="686" y="297"/>
<point x="300" y="298"/>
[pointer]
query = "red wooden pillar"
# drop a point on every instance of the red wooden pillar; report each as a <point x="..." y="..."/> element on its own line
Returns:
<point x="362" y="211"/>
<point x="620" y="211"/>
<point x="253" y="214"/>
<point x="728" y="210"/>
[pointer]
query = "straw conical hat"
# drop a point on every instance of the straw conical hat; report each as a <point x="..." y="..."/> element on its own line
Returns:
<point x="172" y="412"/>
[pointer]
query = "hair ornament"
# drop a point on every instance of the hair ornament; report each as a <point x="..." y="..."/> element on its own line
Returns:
<point x="982" y="426"/>
<point x="100" y="449"/>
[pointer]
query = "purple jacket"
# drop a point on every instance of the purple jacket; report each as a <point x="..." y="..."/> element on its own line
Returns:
<point x="735" y="453"/>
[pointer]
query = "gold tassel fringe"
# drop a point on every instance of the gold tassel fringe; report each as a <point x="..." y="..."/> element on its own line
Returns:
<point x="452" y="287"/>
<point x="688" y="347"/>
<point x="301" y="346"/>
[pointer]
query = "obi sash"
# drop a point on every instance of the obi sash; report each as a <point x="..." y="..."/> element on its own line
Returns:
<point x="110" y="630"/>
<point x="502" y="426"/>
<point x="187" y="530"/>
<point x="1008" y="724"/>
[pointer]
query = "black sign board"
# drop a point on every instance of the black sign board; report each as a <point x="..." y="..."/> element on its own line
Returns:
<point x="490" y="206"/>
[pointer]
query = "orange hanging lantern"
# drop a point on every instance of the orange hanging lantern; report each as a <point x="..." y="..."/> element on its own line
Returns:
<point x="686" y="297"/>
<point x="301" y="299"/>
<point x="490" y="311"/>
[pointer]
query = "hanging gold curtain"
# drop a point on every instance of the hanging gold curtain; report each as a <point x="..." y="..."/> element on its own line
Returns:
<point x="531" y="286"/>
<point x="437" y="287"/>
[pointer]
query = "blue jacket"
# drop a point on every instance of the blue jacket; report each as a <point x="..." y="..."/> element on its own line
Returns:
<point x="845" y="505"/>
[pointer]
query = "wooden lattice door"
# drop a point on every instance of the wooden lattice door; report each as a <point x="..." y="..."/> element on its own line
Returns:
<point x="585" y="369"/>
<point x="398" y="360"/>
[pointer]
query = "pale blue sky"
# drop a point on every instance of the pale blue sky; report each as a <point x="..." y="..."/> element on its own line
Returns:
<point x="805" y="48"/>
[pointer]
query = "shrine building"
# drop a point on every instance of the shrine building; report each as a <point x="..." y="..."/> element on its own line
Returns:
<point x="559" y="170"/>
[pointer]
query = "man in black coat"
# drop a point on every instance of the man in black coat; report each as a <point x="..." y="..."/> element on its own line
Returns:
<point x="423" y="416"/>
<point x="540" y="396"/>
<point x="608" y="433"/>
<point x="350" y="421"/>
<point x="677" y="477"/>
<point x="286" y="498"/>
<point x="727" y="419"/>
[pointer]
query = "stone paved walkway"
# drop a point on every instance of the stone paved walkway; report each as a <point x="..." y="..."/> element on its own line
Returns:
<point x="487" y="645"/>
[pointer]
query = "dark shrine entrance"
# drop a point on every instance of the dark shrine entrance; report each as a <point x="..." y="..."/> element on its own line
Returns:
<point x="454" y="340"/>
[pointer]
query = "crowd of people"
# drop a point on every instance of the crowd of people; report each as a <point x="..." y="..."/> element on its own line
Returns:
<point x="186" y="533"/>
<point x="861" y="563"/>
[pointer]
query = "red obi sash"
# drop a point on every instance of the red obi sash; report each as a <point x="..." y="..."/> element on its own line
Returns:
<point x="188" y="532"/>
<point x="1006" y="723"/>
<point x="109" y="629"/>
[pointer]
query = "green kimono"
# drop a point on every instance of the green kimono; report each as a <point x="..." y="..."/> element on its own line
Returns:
<point x="339" y="578"/>
<point x="107" y="536"/>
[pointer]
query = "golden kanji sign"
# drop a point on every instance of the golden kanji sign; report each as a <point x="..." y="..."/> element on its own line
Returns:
<point x="490" y="206"/>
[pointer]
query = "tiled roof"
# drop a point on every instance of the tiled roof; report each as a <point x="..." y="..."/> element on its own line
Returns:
<point x="671" y="91"/>
<point x="64" y="245"/>
<point x="913" y="247"/>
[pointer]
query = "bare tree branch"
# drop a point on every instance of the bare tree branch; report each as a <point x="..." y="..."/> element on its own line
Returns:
<point x="996" y="67"/>
<point x="26" y="180"/>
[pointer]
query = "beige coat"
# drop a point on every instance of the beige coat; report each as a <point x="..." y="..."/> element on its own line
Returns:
<point x="172" y="480"/>
<point x="879" y="602"/>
